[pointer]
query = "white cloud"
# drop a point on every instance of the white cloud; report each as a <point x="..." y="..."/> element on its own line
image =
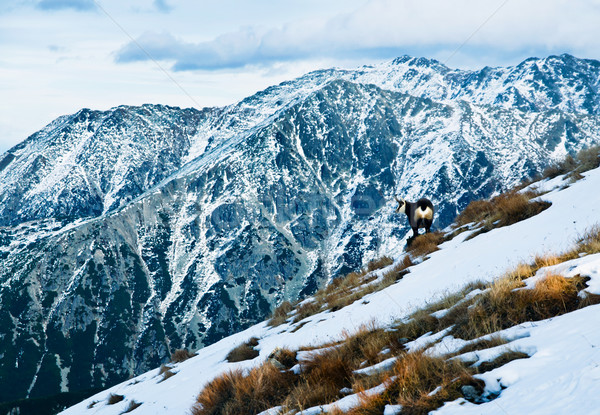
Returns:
<point x="382" y="27"/>
<point x="79" y="5"/>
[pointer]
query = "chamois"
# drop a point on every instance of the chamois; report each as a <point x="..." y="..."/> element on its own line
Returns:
<point x="420" y="214"/>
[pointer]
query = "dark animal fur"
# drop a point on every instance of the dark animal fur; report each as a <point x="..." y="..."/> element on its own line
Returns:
<point x="410" y="210"/>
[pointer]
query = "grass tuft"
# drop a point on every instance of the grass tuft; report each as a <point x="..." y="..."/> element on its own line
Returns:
<point x="132" y="406"/>
<point x="114" y="398"/>
<point x="418" y="375"/>
<point x="234" y="393"/>
<point x="425" y="244"/>
<point x="503" y="210"/>
<point x="181" y="355"/>
<point x="501" y="360"/>
<point x="244" y="351"/>
<point x="505" y="304"/>
<point x="281" y="314"/>
<point x="586" y="159"/>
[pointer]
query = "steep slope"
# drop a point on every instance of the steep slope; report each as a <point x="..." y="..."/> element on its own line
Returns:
<point x="93" y="162"/>
<point x="561" y="366"/>
<point x="130" y="233"/>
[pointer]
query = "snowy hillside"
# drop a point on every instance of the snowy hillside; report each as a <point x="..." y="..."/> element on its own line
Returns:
<point x="560" y="374"/>
<point x="130" y="233"/>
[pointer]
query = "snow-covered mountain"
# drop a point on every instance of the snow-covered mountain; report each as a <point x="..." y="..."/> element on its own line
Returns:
<point x="558" y="375"/>
<point x="129" y="233"/>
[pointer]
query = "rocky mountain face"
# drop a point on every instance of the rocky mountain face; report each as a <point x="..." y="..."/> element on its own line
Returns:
<point x="127" y="234"/>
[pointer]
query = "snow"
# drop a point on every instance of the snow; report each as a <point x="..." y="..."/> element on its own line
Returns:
<point x="561" y="376"/>
<point x="377" y="368"/>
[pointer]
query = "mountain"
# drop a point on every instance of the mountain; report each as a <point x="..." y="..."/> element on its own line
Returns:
<point x="129" y="233"/>
<point x="538" y="365"/>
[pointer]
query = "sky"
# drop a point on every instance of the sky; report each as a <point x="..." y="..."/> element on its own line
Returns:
<point x="58" y="56"/>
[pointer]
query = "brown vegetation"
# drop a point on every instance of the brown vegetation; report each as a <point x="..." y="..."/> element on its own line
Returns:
<point x="132" y="405"/>
<point x="504" y="305"/>
<point x="586" y="159"/>
<point x="114" y="398"/>
<point x="181" y="355"/>
<point x="165" y="371"/>
<point x="425" y="244"/>
<point x="503" y="210"/>
<point x="341" y="291"/>
<point x="244" y="351"/>
<point x="501" y="360"/>
<point x="281" y="314"/>
<point x="415" y="375"/>
<point x="234" y="393"/>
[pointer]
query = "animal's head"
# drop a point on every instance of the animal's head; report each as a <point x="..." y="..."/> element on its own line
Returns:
<point x="401" y="205"/>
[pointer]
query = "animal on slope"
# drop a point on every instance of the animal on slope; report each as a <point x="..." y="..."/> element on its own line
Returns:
<point x="420" y="213"/>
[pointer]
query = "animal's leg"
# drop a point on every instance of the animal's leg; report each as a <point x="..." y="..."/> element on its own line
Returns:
<point x="427" y="226"/>
<point x="415" y="232"/>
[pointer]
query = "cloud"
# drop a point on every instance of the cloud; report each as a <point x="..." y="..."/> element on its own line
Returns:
<point x="385" y="29"/>
<point x="78" y="5"/>
<point x="163" y="6"/>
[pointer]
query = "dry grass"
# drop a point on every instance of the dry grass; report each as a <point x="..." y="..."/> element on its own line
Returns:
<point x="132" y="405"/>
<point x="501" y="360"/>
<point x="244" y="351"/>
<point x="586" y="159"/>
<point x="482" y="344"/>
<point x="344" y="291"/>
<point x="234" y="393"/>
<point x="504" y="305"/>
<point x="307" y="309"/>
<point x="283" y="358"/>
<point x="379" y="263"/>
<point x="165" y="371"/>
<point x="114" y="398"/>
<point x="503" y="210"/>
<point x="417" y="375"/>
<point x="412" y="381"/>
<point x="181" y="355"/>
<point x="281" y="314"/>
<point x="589" y="243"/>
<point x="425" y="244"/>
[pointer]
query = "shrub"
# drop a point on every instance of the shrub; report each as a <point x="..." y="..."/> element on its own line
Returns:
<point x="285" y="358"/>
<point x="244" y="351"/>
<point x="166" y="372"/>
<point x="504" y="306"/>
<point x="181" y="355"/>
<point x="234" y="393"/>
<point x="586" y="159"/>
<point x="114" y="398"/>
<point x="425" y="244"/>
<point x="382" y="262"/>
<point x="503" y="210"/>
<point x="281" y="314"/>
<point x="132" y="405"/>
<point x="501" y="360"/>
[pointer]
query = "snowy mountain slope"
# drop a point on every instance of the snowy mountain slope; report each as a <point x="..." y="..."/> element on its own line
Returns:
<point x="179" y="227"/>
<point x="559" y="376"/>
<point x="557" y="82"/>
<point x="92" y="162"/>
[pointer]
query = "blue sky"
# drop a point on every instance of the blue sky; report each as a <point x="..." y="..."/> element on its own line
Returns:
<point x="57" y="56"/>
